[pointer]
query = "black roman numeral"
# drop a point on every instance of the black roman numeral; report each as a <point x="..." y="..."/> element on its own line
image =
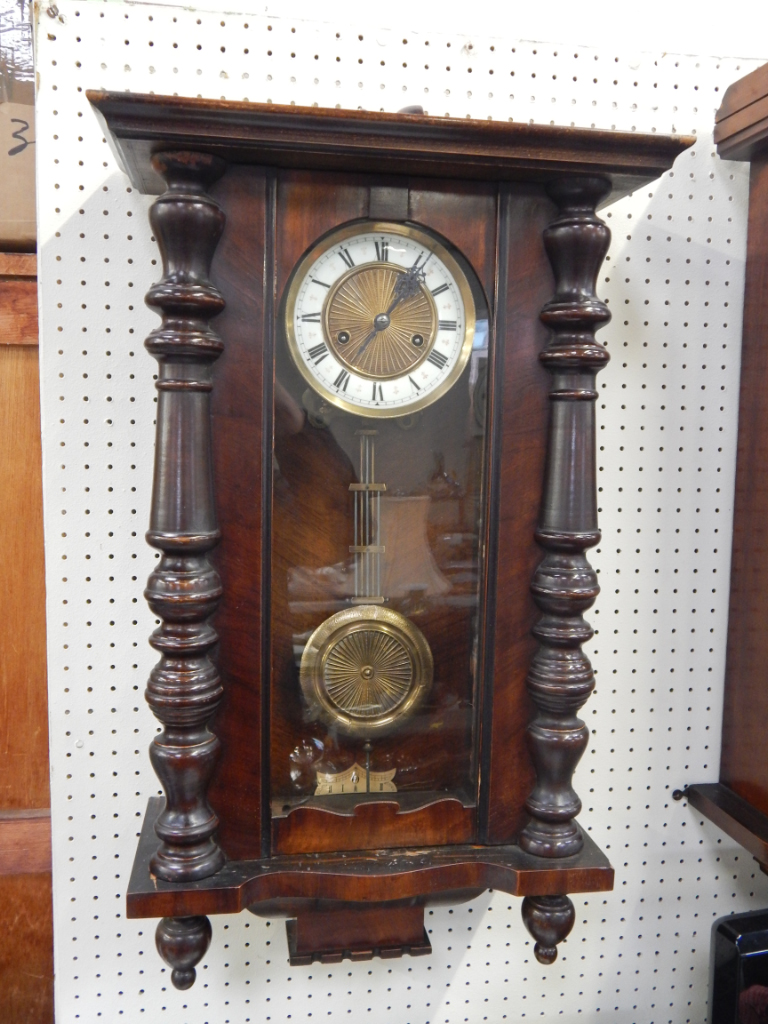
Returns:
<point x="382" y="251"/>
<point x="440" y="289"/>
<point x="414" y="383"/>
<point x="342" y="380"/>
<point x="311" y="318"/>
<point x="322" y="283"/>
<point x="318" y="352"/>
<point x="437" y="359"/>
<point x="344" y="253"/>
<point x="377" y="397"/>
<point x="446" y="325"/>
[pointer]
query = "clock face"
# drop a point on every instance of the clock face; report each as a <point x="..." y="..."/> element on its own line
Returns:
<point x="380" y="319"/>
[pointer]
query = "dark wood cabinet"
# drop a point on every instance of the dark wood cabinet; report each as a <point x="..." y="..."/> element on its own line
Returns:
<point x="26" y="943"/>
<point x="739" y="802"/>
<point x="371" y="667"/>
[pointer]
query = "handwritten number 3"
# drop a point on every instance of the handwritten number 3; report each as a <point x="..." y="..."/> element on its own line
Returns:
<point x="19" y="134"/>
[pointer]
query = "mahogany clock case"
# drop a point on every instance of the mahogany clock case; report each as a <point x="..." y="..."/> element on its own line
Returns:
<point x="285" y="571"/>
<point x="493" y="506"/>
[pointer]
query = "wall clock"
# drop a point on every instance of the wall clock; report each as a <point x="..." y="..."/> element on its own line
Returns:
<point x="374" y="489"/>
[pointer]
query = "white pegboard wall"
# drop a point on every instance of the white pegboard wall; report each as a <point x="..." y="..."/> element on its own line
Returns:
<point x="667" y="426"/>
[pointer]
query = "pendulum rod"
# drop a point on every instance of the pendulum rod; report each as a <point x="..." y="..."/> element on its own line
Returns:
<point x="367" y="747"/>
<point x="367" y="548"/>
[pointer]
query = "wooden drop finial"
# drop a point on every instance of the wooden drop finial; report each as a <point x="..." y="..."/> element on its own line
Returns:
<point x="549" y="919"/>
<point x="183" y="942"/>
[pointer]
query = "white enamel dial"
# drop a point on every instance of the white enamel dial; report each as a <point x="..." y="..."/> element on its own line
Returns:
<point x="380" y="319"/>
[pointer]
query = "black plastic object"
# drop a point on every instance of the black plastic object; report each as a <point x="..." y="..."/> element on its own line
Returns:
<point x="738" y="974"/>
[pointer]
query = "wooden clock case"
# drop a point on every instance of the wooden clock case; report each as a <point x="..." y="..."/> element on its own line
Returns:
<point x="245" y="190"/>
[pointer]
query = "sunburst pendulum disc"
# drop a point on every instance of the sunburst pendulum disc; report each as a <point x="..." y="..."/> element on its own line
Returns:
<point x="365" y="669"/>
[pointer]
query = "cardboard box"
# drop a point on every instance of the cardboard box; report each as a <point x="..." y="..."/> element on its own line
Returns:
<point x="17" y="128"/>
<point x="17" y="174"/>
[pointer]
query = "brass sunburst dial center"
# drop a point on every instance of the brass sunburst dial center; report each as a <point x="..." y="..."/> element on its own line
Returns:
<point x="371" y="329"/>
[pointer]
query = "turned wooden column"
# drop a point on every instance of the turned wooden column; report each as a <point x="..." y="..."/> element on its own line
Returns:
<point x="184" y="689"/>
<point x="565" y="585"/>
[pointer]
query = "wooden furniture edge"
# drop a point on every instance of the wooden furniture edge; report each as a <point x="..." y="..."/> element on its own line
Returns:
<point x="743" y="142"/>
<point x="18" y="299"/>
<point x="18" y="264"/>
<point x="239" y="884"/>
<point x="356" y="140"/>
<point x="25" y="841"/>
<point x="734" y="815"/>
<point x="741" y="122"/>
<point x="743" y="92"/>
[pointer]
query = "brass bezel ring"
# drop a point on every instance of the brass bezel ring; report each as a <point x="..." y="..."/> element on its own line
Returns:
<point x="431" y="245"/>
<point x="334" y="629"/>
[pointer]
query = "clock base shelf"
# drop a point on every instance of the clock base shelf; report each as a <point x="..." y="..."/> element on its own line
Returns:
<point x="343" y="890"/>
<point x="430" y="875"/>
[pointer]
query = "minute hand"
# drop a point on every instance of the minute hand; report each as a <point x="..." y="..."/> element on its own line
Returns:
<point x="407" y="284"/>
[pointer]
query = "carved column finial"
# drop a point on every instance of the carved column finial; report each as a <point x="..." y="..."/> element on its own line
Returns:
<point x="565" y="585"/>
<point x="184" y="689"/>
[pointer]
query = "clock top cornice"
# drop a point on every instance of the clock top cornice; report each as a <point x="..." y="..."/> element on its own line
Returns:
<point x="138" y="125"/>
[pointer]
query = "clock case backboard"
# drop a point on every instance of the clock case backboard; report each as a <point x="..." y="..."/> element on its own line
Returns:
<point x="282" y="177"/>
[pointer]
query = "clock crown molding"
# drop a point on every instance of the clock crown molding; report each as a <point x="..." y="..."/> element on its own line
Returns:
<point x="138" y="124"/>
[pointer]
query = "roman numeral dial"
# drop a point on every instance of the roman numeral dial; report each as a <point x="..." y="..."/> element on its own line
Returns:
<point x="437" y="359"/>
<point x="379" y="318"/>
